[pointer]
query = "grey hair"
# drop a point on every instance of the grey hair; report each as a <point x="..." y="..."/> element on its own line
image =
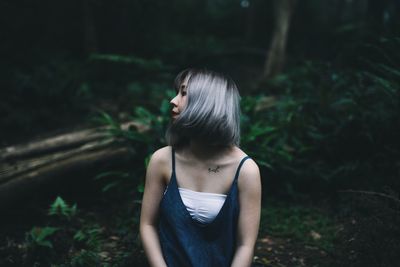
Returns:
<point x="212" y="112"/>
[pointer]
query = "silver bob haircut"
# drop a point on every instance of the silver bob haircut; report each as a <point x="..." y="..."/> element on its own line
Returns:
<point x="212" y="112"/>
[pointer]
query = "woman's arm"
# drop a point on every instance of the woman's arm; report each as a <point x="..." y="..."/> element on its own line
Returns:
<point x="249" y="183"/>
<point x="153" y="192"/>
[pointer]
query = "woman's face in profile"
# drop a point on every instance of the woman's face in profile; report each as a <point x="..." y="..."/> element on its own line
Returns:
<point x="179" y="101"/>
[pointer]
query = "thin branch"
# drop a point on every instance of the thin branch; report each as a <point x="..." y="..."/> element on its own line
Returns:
<point x="371" y="193"/>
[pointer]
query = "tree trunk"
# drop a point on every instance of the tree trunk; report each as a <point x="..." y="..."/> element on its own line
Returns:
<point x="283" y="10"/>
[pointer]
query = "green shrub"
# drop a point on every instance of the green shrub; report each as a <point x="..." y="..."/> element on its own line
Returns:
<point x="39" y="236"/>
<point x="327" y="129"/>
<point x="67" y="239"/>
<point x="60" y="208"/>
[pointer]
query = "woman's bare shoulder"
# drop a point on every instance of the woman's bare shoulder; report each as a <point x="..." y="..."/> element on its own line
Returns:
<point x="249" y="172"/>
<point x="159" y="166"/>
<point x="161" y="156"/>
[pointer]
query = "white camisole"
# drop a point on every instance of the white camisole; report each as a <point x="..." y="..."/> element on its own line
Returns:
<point x="202" y="206"/>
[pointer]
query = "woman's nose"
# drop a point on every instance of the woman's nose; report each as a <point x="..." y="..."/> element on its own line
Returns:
<point x="174" y="101"/>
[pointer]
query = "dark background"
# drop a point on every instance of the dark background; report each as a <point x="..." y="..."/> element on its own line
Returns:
<point x="322" y="123"/>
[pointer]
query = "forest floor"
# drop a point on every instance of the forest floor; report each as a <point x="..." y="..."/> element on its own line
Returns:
<point x="285" y="238"/>
<point x="274" y="251"/>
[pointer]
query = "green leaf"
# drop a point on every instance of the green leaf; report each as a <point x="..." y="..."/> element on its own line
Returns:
<point x="140" y="188"/>
<point x="109" y="186"/>
<point x="38" y="236"/>
<point x="79" y="235"/>
<point x="60" y="207"/>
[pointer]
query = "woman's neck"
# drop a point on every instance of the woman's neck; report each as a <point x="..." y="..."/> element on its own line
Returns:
<point x="205" y="151"/>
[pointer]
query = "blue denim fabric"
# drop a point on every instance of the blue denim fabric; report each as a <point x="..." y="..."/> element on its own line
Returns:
<point x="185" y="242"/>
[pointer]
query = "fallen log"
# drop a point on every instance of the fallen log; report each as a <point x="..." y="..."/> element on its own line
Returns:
<point x="27" y="167"/>
<point x="61" y="141"/>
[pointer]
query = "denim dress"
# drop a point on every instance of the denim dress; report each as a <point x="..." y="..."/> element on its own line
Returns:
<point x="185" y="242"/>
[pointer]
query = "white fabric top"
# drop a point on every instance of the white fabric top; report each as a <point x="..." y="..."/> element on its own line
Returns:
<point x="202" y="206"/>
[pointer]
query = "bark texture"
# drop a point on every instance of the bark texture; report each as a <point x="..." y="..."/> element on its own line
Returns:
<point x="283" y="10"/>
<point x="27" y="167"/>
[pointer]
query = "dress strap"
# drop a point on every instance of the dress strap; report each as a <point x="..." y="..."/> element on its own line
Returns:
<point x="239" y="167"/>
<point x="173" y="160"/>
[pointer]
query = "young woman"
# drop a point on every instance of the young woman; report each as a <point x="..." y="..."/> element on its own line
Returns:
<point x="202" y="198"/>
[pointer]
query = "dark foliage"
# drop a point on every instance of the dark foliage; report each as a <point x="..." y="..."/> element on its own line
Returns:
<point x="329" y="123"/>
<point x="328" y="127"/>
